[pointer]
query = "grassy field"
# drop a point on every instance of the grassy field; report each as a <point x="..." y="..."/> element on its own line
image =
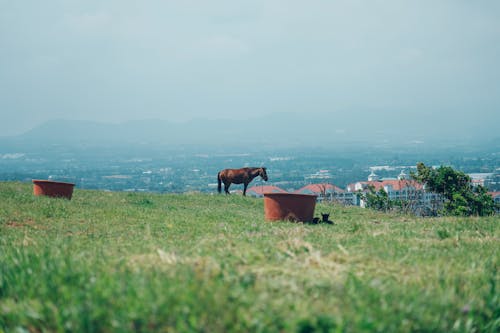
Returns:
<point x="113" y="262"/>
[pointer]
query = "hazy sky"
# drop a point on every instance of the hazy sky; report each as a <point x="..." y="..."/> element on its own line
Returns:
<point x="390" y="60"/>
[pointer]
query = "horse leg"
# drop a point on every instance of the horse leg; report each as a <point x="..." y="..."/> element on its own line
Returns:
<point x="226" y="187"/>
<point x="245" y="189"/>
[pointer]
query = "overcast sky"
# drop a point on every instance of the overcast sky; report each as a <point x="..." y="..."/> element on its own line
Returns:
<point x="118" y="60"/>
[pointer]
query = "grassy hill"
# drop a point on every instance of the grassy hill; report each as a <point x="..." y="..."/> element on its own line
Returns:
<point x="145" y="262"/>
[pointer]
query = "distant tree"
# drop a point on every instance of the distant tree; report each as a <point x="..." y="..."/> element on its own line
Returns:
<point x="407" y="202"/>
<point x="410" y="198"/>
<point x="482" y="203"/>
<point x="378" y="200"/>
<point x="461" y="198"/>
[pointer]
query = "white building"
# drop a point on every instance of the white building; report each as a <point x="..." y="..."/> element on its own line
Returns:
<point x="410" y="193"/>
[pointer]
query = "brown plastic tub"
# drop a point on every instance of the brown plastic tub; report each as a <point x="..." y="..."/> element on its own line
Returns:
<point x="52" y="188"/>
<point x="289" y="207"/>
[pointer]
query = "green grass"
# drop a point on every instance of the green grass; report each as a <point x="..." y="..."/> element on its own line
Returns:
<point x="113" y="262"/>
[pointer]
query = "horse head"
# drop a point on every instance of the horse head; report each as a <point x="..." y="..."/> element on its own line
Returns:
<point x="263" y="173"/>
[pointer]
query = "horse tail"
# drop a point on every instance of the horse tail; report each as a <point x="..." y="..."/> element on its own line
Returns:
<point x="219" y="185"/>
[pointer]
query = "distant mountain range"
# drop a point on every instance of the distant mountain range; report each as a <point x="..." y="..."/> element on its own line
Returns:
<point x="279" y="130"/>
<point x="276" y="130"/>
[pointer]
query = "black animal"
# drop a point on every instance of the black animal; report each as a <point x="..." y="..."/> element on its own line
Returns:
<point x="325" y="218"/>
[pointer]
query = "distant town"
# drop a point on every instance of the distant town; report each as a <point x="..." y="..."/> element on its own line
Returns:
<point x="328" y="174"/>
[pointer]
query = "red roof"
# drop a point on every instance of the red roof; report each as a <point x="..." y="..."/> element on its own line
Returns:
<point x="494" y="194"/>
<point x="319" y="188"/>
<point x="261" y="189"/>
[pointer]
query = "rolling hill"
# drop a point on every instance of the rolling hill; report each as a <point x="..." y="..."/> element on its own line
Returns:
<point x="108" y="261"/>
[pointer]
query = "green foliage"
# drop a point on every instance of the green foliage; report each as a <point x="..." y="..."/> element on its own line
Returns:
<point x="462" y="199"/>
<point x="106" y="262"/>
<point x="378" y="200"/>
<point x="482" y="204"/>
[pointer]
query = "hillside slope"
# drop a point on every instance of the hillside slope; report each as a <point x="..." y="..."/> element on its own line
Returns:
<point x="210" y="263"/>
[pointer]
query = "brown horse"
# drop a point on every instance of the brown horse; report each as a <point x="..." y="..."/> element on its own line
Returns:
<point x="239" y="176"/>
